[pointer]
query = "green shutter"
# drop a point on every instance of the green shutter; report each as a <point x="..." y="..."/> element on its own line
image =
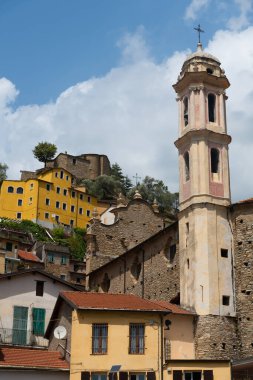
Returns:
<point x="39" y="321"/>
<point x="20" y="316"/>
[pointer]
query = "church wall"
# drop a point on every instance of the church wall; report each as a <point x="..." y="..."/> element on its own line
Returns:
<point x="216" y="337"/>
<point x="135" y="223"/>
<point x="148" y="270"/>
<point x="242" y="217"/>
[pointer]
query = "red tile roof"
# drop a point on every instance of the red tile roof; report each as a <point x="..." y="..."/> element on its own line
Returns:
<point x="31" y="358"/>
<point x="249" y="200"/>
<point x="107" y="301"/>
<point x="27" y="256"/>
<point x="175" y="309"/>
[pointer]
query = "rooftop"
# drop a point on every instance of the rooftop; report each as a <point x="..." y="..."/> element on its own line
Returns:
<point x="31" y="358"/>
<point x="29" y="256"/>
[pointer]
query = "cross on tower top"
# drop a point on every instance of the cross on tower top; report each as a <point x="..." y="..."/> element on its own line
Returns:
<point x="199" y="30"/>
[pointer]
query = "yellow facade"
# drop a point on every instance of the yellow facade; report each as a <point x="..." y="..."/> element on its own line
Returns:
<point x="82" y="359"/>
<point x="48" y="200"/>
<point x="221" y="370"/>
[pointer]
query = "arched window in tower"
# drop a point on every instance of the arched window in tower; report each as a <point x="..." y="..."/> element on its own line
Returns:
<point x="186" y="111"/>
<point x="215" y="163"/>
<point x="187" y="166"/>
<point x="211" y="107"/>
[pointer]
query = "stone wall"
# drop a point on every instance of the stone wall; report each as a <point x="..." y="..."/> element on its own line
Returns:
<point x="147" y="270"/>
<point x="242" y="217"/>
<point x="84" y="166"/>
<point x="134" y="224"/>
<point x="216" y="337"/>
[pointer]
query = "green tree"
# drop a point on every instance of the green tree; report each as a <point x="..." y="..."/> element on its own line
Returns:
<point x="44" y="151"/>
<point x="77" y="244"/>
<point x="152" y="189"/>
<point x="3" y="170"/>
<point x="103" y="187"/>
<point x="124" y="181"/>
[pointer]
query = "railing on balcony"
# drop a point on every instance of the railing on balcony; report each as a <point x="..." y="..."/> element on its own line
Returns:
<point x="21" y="338"/>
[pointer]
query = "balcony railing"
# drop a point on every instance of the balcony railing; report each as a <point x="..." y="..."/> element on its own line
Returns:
<point x="21" y="338"/>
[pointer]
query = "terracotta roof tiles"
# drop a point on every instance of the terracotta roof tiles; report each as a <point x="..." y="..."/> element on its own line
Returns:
<point x="27" y="256"/>
<point x="175" y="309"/>
<point x="31" y="358"/>
<point x="107" y="301"/>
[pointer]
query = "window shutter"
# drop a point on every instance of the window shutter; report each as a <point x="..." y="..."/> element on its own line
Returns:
<point x="113" y="376"/>
<point x="208" y="375"/>
<point x="39" y="321"/>
<point x="85" y="376"/>
<point x="151" y="376"/>
<point x="123" y="376"/>
<point x="177" y="375"/>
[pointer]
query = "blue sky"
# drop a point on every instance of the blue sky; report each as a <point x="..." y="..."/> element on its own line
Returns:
<point x="95" y="77"/>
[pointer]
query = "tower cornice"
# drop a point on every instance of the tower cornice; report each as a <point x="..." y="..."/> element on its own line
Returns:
<point x="202" y="134"/>
<point x="200" y="77"/>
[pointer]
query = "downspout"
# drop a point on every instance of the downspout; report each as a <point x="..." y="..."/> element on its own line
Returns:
<point x="161" y="366"/>
<point x="143" y="275"/>
<point x="124" y="278"/>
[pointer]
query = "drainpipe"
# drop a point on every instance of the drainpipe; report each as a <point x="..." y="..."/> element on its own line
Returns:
<point x="143" y="276"/>
<point x="161" y="327"/>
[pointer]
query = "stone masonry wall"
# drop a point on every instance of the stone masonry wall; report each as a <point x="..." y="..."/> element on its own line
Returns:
<point x="147" y="270"/>
<point x="242" y="217"/>
<point x="135" y="223"/>
<point x="216" y="337"/>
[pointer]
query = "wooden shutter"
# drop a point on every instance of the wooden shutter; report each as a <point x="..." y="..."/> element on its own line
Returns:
<point x="151" y="376"/>
<point x="123" y="376"/>
<point x="177" y="375"/>
<point x="208" y="375"/>
<point x="85" y="376"/>
<point x="39" y="321"/>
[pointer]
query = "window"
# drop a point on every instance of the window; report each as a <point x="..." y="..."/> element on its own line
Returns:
<point x="185" y="111"/>
<point x="78" y="280"/>
<point x="187" y="166"/>
<point x="211" y="107"/>
<point x="38" y="321"/>
<point x="81" y="197"/>
<point x="71" y="222"/>
<point x="65" y="192"/>
<point x="72" y="209"/>
<point x="74" y="161"/>
<point x="88" y="199"/>
<point x="64" y="206"/>
<point x="19" y="215"/>
<point x="20" y="202"/>
<point x="48" y="187"/>
<point x="57" y="204"/>
<point x="224" y="252"/>
<point x="73" y="194"/>
<point x="137" y="376"/>
<point x="225" y="300"/>
<point x="98" y="376"/>
<point x="8" y="246"/>
<point x="56" y="174"/>
<point x="105" y="285"/>
<point x="80" y="210"/>
<point x="63" y="277"/>
<point x="99" y="338"/>
<point x="31" y="186"/>
<point x="20" y="190"/>
<point x="39" y="288"/>
<point x="193" y="375"/>
<point x="50" y="257"/>
<point x="57" y="218"/>
<point x="10" y="189"/>
<point x="172" y="252"/>
<point x="47" y="201"/>
<point x="88" y="213"/>
<point x="136" y="269"/>
<point x="30" y="200"/>
<point x="67" y="177"/>
<point x="46" y="215"/>
<point x="215" y="157"/>
<point x="63" y="260"/>
<point x="61" y="174"/>
<point x="136" y="338"/>
<point x="58" y="190"/>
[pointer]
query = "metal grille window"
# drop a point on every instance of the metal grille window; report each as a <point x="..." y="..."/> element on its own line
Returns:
<point x="136" y="338"/>
<point x="99" y="338"/>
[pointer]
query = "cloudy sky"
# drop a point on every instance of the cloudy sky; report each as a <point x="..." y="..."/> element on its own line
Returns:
<point x="95" y="76"/>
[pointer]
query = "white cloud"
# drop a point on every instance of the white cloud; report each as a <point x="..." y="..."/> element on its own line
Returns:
<point x="192" y="11"/>
<point x="130" y="114"/>
<point x="241" y="21"/>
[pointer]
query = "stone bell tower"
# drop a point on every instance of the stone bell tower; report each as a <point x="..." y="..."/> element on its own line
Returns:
<point x="205" y="236"/>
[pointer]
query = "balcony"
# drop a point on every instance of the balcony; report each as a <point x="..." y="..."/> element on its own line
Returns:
<point x="15" y="337"/>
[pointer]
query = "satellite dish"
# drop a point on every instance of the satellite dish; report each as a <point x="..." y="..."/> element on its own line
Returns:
<point x="60" y="332"/>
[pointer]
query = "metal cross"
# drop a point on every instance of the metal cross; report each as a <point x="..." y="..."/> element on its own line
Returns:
<point x="136" y="178"/>
<point x="199" y="30"/>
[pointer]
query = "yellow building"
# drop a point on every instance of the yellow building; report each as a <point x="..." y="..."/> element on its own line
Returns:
<point x="123" y="337"/>
<point x="48" y="199"/>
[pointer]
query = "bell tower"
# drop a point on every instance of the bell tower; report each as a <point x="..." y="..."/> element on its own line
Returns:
<point x="205" y="235"/>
